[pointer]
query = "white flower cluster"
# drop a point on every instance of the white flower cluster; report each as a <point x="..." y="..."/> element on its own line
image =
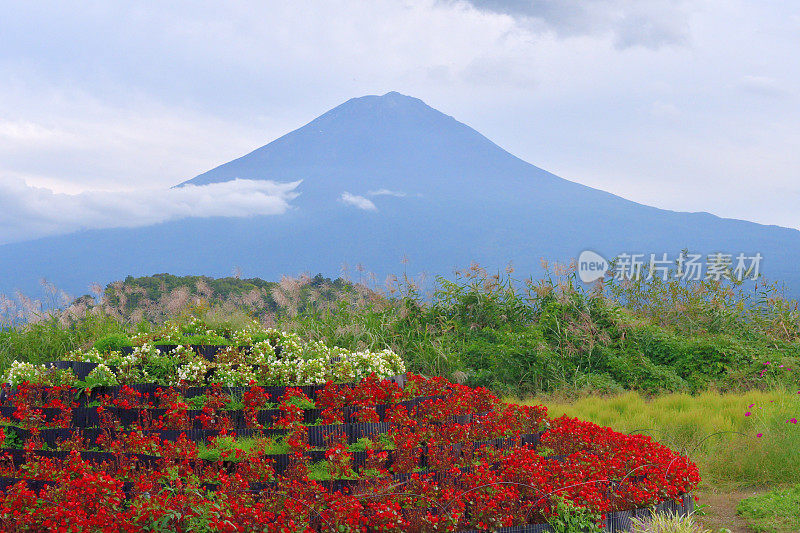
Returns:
<point x="102" y="375"/>
<point x="262" y="353"/>
<point x="87" y="356"/>
<point x="21" y="371"/>
<point x="226" y="374"/>
<point x="294" y="363"/>
<point x="192" y="372"/>
<point x="139" y="356"/>
<point x="384" y="363"/>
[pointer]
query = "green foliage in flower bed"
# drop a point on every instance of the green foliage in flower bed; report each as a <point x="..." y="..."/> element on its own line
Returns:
<point x="571" y="518"/>
<point x="225" y="448"/>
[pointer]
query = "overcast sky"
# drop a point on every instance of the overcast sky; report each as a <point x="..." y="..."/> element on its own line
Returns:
<point x="682" y="105"/>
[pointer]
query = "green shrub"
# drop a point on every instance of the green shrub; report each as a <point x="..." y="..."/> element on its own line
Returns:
<point x="206" y="339"/>
<point x="112" y="342"/>
<point x="604" y="384"/>
<point x="519" y="358"/>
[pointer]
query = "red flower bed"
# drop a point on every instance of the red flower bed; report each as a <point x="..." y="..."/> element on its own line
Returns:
<point x="434" y="456"/>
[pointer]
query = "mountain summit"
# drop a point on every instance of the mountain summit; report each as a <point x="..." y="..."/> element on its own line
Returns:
<point x="392" y="143"/>
<point x="383" y="177"/>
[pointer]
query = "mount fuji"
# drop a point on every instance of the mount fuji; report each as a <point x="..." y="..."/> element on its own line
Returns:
<point x="387" y="177"/>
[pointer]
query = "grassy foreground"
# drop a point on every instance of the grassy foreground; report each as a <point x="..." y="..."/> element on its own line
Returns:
<point x="778" y="510"/>
<point x="641" y="356"/>
<point x="738" y="454"/>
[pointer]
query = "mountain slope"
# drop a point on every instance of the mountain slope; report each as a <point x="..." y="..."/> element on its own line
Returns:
<point x="443" y="195"/>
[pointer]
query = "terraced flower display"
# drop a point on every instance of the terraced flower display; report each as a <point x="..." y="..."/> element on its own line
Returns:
<point x="357" y="452"/>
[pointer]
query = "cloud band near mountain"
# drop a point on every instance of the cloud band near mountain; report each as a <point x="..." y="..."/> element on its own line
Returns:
<point x="29" y="212"/>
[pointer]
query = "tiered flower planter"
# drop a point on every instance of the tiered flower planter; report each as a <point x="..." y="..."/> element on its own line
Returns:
<point x="368" y="456"/>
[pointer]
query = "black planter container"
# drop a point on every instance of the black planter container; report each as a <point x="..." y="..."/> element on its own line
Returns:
<point x="91" y="418"/>
<point x="267" y="417"/>
<point x="90" y="435"/>
<point x="310" y="416"/>
<point x="79" y="368"/>
<point x="232" y="391"/>
<point x="208" y="351"/>
<point x="165" y="347"/>
<point x="338" y="485"/>
<point x="399" y="379"/>
<point x="103" y="390"/>
<point x="145" y="388"/>
<point x="126" y="417"/>
<point x="281" y="462"/>
<point x="194" y="435"/>
<point x="462" y="419"/>
<point x="145" y="460"/>
<point x="274" y="392"/>
<point x="530" y="528"/>
<point x="317" y="434"/>
<point x="247" y="433"/>
<point x="52" y="435"/>
<point x="33" y="484"/>
<point x="311" y="390"/>
<point x="316" y="456"/>
<point x="17" y="455"/>
<point x="263" y="487"/>
<point x="79" y="417"/>
<point x="370" y="430"/>
<point x="98" y="457"/>
<point x="619" y="521"/>
<point x="532" y="439"/>
<point x="669" y="507"/>
<point x="688" y="504"/>
<point x="192" y="392"/>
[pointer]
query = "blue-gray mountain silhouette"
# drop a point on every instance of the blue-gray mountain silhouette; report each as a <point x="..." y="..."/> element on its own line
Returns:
<point x="444" y="196"/>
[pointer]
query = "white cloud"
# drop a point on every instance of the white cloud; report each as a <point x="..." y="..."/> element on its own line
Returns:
<point x="28" y="212"/>
<point x="387" y="192"/>
<point x="86" y="143"/>
<point x="358" y="201"/>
